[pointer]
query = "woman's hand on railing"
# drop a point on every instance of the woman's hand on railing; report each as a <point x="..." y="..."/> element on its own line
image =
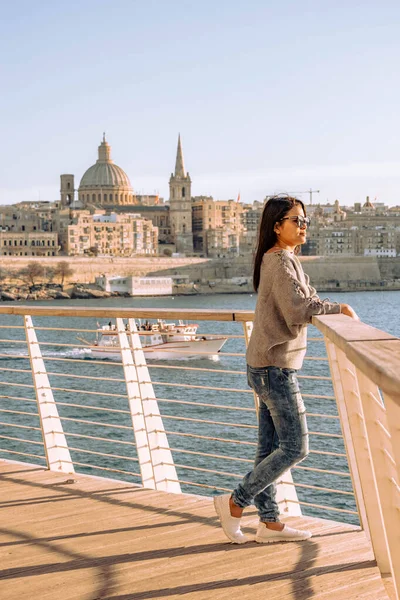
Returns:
<point x="345" y="309"/>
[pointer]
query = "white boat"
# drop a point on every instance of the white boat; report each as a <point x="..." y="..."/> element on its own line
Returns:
<point x="160" y="341"/>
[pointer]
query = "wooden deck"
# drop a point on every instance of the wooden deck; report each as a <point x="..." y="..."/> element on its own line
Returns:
<point x="95" y="538"/>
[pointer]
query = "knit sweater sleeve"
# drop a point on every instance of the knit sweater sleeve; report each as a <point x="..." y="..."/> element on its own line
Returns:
<point x="311" y="289"/>
<point x="298" y="301"/>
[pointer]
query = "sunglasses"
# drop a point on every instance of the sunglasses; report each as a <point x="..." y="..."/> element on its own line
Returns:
<point x="299" y="220"/>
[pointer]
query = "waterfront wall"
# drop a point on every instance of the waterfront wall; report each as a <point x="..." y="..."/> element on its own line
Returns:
<point x="326" y="273"/>
<point x="215" y="275"/>
<point x="85" y="270"/>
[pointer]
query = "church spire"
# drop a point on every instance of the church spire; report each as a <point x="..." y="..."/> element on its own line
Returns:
<point x="179" y="165"/>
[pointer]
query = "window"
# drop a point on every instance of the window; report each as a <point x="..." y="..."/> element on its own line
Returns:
<point x="183" y="192"/>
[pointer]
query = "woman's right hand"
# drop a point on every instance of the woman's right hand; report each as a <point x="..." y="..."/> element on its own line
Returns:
<point x="345" y="309"/>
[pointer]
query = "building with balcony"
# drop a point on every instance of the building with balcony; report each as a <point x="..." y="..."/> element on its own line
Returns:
<point x="111" y="235"/>
<point x="217" y="225"/>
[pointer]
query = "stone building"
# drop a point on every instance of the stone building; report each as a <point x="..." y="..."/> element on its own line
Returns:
<point x="217" y="225"/>
<point x="28" y="216"/>
<point x="158" y="214"/>
<point x="28" y="243"/>
<point x="250" y="217"/>
<point x="364" y="231"/>
<point x="221" y="243"/>
<point x="111" y="235"/>
<point x="26" y="230"/>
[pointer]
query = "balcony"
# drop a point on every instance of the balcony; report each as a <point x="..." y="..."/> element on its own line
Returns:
<point x="173" y="433"/>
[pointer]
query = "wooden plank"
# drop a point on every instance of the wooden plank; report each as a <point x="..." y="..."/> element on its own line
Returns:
<point x="149" y="544"/>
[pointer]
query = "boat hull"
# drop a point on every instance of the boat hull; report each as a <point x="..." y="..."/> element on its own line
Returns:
<point x="167" y="351"/>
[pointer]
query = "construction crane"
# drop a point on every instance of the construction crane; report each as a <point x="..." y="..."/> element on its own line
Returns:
<point x="310" y="191"/>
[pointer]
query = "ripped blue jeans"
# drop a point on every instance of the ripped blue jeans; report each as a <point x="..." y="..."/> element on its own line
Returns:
<point x="282" y="438"/>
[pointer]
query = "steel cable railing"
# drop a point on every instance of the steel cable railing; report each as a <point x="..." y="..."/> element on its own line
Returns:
<point x="109" y="388"/>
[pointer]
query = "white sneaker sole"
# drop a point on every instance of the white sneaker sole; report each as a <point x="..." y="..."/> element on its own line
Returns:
<point x="234" y="539"/>
<point x="276" y="539"/>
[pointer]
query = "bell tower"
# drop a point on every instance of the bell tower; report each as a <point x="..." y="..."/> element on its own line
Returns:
<point x="67" y="191"/>
<point x="180" y="205"/>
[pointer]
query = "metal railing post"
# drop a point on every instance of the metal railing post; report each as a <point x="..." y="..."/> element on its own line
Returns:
<point x="155" y="457"/>
<point x="55" y="443"/>
<point x="286" y="495"/>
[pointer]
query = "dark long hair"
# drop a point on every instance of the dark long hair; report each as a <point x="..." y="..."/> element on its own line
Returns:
<point x="274" y="210"/>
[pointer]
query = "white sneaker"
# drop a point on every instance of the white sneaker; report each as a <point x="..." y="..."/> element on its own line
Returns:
<point x="230" y="525"/>
<point x="288" y="534"/>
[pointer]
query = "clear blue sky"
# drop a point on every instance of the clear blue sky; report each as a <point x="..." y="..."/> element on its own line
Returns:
<point x="269" y="95"/>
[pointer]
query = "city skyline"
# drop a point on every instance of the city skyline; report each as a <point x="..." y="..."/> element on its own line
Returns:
<point x="268" y="97"/>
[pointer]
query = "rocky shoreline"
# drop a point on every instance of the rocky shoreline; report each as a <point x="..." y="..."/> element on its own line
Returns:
<point x="52" y="291"/>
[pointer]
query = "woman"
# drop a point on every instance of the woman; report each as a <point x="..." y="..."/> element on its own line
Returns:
<point x="285" y="304"/>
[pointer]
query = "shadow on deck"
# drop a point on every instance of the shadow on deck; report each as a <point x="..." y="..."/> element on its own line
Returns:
<point x="96" y="538"/>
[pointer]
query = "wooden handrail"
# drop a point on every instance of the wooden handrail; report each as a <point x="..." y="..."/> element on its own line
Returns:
<point x="109" y="312"/>
<point x="375" y="352"/>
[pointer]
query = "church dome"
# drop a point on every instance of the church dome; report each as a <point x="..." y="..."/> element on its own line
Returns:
<point x="105" y="174"/>
<point x="368" y="203"/>
<point x="105" y="183"/>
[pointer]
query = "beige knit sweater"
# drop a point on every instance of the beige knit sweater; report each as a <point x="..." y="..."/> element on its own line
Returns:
<point x="285" y="304"/>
